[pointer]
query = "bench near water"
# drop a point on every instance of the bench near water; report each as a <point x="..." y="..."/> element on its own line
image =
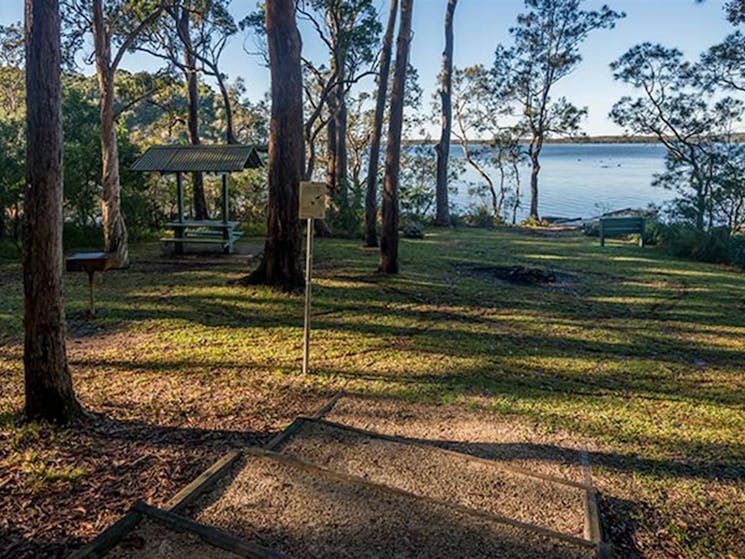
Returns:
<point x="621" y="226"/>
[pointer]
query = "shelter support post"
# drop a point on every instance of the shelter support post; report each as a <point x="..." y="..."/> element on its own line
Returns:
<point x="179" y="233"/>
<point x="226" y="233"/>
<point x="225" y="206"/>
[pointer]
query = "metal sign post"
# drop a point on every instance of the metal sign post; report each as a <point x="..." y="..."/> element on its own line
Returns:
<point x="308" y="274"/>
<point x="312" y="206"/>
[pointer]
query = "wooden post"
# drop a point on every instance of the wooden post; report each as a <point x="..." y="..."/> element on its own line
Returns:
<point x="226" y="232"/>
<point x="641" y="232"/>
<point x="225" y="206"/>
<point x="91" y="293"/>
<point x="179" y="232"/>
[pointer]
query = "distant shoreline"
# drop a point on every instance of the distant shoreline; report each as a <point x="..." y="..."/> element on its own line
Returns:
<point x="740" y="137"/>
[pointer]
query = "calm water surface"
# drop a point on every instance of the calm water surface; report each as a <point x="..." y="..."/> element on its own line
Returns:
<point x="583" y="180"/>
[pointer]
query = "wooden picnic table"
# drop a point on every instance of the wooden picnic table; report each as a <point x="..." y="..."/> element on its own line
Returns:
<point x="203" y="231"/>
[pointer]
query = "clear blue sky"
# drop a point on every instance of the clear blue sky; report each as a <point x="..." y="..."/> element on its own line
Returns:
<point x="481" y="24"/>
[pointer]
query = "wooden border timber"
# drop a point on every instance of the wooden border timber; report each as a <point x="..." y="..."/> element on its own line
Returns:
<point x="323" y="411"/>
<point x="280" y="438"/>
<point x="107" y="539"/>
<point x="206" y="479"/>
<point x="210" y="534"/>
<point x="113" y="535"/>
<point x="593" y="530"/>
<point x="203" y="482"/>
<point x="363" y="483"/>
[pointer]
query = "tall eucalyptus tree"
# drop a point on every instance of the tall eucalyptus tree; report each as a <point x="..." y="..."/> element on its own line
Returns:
<point x="280" y="266"/>
<point x="115" y="26"/>
<point x="389" y="237"/>
<point x="350" y="30"/>
<point x="371" y="192"/>
<point x="48" y="384"/>
<point x="442" y="214"/>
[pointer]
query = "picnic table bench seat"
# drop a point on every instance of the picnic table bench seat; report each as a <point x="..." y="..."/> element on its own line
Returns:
<point x="203" y="232"/>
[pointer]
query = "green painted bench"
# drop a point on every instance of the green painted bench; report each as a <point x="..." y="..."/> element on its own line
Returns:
<point x="620" y="226"/>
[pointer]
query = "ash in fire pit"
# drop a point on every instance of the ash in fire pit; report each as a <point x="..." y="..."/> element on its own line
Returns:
<point x="515" y="274"/>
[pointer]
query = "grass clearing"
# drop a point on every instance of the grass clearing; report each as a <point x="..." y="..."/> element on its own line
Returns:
<point x="637" y="353"/>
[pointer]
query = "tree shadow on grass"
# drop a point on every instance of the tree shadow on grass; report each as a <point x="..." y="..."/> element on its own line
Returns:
<point x="693" y="467"/>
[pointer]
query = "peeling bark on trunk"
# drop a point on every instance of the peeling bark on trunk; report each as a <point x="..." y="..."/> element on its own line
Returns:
<point x="371" y="193"/>
<point x="48" y="385"/>
<point x="280" y="266"/>
<point x="442" y="216"/>
<point x="192" y="106"/>
<point x="114" y="229"/>
<point x="389" y="238"/>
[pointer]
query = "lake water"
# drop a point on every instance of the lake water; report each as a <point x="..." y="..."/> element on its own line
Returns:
<point x="583" y="180"/>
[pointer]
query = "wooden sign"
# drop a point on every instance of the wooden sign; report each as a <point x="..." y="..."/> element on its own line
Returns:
<point x="312" y="200"/>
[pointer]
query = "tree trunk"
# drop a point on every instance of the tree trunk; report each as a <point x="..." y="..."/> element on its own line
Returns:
<point x="371" y="194"/>
<point x="229" y="133"/>
<point x="443" y="148"/>
<point x="48" y="385"/>
<point x="114" y="229"/>
<point x="342" y="166"/>
<point x="192" y="108"/>
<point x="389" y="237"/>
<point x="341" y="194"/>
<point x="535" y="168"/>
<point x="331" y="137"/>
<point x="280" y="265"/>
<point x="322" y="227"/>
<point x="516" y="175"/>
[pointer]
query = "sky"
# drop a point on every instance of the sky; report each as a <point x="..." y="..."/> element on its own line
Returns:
<point x="479" y="26"/>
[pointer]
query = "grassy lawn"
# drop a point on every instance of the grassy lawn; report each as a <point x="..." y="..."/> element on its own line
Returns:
<point x="635" y="353"/>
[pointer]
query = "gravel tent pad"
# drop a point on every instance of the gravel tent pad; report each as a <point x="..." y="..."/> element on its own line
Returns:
<point x="442" y="475"/>
<point x="304" y="511"/>
<point x="508" y="440"/>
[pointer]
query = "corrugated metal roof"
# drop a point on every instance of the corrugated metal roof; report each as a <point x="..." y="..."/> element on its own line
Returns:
<point x="187" y="159"/>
